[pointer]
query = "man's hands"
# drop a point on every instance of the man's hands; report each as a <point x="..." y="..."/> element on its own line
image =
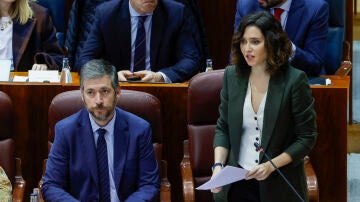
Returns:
<point x="39" y="67"/>
<point x="123" y="74"/>
<point x="145" y="75"/>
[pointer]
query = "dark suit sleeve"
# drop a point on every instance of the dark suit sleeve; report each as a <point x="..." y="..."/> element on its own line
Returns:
<point x="71" y="32"/>
<point x="187" y="54"/>
<point x="56" y="175"/>
<point x="94" y="45"/>
<point x="148" y="179"/>
<point x="304" y="116"/>
<point x="238" y="16"/>
<point x="311" y="56"/>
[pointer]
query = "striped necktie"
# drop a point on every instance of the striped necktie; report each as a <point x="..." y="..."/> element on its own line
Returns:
<point x="140" y="45"/>
<point x="103" y="167"/>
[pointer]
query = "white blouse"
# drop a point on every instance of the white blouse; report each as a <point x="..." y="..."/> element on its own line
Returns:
<point x="252" y="127"/>
<point x="6" y="39"/>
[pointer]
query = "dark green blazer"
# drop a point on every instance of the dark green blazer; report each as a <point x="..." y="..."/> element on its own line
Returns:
<point x="289" y="126"/>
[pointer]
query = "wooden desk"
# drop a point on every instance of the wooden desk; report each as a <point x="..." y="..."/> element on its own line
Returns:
<point x="329" y="156"/>
<point x="31" y="102"/>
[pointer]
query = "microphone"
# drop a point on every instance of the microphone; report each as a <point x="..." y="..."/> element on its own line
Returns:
<point x="260" y="149"/>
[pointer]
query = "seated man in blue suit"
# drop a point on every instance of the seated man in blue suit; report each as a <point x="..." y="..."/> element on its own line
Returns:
<point x="169" y="53"/>
<point x="305" y="22"/>
<point x="101" y="153"/>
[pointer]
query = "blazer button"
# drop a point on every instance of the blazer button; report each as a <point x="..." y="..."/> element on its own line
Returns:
<point x="256" y="161"/>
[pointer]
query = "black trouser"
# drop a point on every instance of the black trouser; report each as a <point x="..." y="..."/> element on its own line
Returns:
<point x="244" y="191"/>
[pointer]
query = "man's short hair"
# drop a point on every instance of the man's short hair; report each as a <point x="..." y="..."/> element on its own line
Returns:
<point x="98" y="68"/>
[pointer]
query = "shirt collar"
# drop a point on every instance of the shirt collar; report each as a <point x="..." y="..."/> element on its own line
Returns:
<point x="285" y="6"/>
<point x="108" y="127"/>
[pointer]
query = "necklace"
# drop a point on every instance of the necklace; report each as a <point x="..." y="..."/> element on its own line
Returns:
<point x="4" y="25"/>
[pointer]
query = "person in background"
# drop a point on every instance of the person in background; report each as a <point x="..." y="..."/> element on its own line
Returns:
<point x="306" y="24"/>
<point x="167" y="50"/>
<point x="82" y="16"/>
<point x="101" y="153"/>
<point x="198" y="31"/>
<point x="264" y="100"/>
<point x="27" y="36"/>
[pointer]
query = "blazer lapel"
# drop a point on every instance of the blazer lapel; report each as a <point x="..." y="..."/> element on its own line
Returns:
<point x="86" y="137"/>
<point x="295" y="13"/>
<point x="121" y="143"/>
<point x="272" y="108"/>
<point x="158" y="24"/>
<point x="21" y="36"/>
<point x="238" y="95"/>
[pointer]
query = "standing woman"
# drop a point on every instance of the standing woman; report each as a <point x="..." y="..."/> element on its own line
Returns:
<point x="264" y="101"/>
<point x="27" y="36"/>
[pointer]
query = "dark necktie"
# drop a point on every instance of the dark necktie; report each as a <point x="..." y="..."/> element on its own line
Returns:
<point x="103" y="169"/>
<point x="140" y="45"/>
<point x="277" y="13"/>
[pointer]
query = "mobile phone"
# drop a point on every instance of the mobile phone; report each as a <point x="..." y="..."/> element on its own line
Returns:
<point x="133" y="78"/>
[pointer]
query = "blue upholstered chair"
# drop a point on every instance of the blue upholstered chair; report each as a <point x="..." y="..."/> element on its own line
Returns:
<point x="335" y="41"/>
<point x="57" y="12"/>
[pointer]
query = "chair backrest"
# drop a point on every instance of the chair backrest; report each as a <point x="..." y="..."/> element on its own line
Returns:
<point x="202" y="114"/>
<point x="57" y="12"/>
<point x="336" y="36"/>
<point x="7" y="144"/>
<point x="142" y="104"/>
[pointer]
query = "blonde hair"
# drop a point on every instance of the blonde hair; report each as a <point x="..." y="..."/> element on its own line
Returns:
<point x="21" y="11"/>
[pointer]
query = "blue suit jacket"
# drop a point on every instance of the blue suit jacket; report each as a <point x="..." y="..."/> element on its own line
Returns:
<point x="307" y="28"/>
<point x="172" y="46"/>
<point x="71" y="170"/>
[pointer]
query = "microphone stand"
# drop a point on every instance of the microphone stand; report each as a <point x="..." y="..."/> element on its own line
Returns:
<point x="260" y="149"/>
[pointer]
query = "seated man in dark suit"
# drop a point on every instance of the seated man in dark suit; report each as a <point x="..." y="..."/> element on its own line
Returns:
<point x="162" y="51"/>
<point x="305" y="22"/>
<point x="101" y="153"/>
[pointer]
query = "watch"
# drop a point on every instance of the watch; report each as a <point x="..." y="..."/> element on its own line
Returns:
<point x="217" y="164"/>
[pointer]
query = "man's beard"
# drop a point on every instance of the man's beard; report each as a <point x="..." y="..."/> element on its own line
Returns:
<point x="108" y="111"/>
<point x="103" y="117"/>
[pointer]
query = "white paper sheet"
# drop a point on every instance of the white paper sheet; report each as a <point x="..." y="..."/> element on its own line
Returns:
<point x="5" y="66"/>
<point x="20" y="78"/>
<point x="43" y="76"/>
<point x="227" y="175"/>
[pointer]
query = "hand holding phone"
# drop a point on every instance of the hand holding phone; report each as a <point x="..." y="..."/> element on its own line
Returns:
<point x="133" y="78"/>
